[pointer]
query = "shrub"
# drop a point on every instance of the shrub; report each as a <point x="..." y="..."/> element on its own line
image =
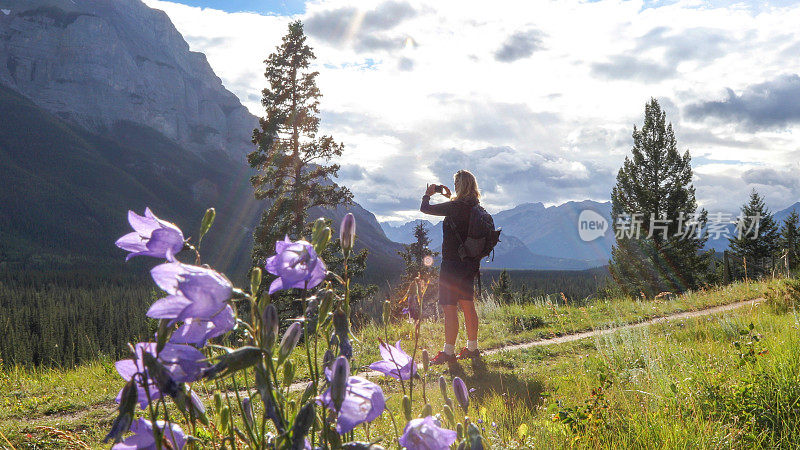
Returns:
<point x="785" y="296"/>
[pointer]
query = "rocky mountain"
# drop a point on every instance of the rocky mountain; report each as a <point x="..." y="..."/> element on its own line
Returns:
<point x="405" y="233"/>
<point x="106" y="109"/>
<point x="721" y="243"/>
<point x="553" y="231"/>
<point x="98" y="62"/>
<point x="510" y="253"/>
<point x="782" y="215"/>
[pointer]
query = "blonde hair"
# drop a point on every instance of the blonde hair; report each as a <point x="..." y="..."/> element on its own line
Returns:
<point x="466" y="186"/>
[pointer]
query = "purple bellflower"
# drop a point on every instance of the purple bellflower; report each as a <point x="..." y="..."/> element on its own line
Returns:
<point x="195" y="292"/>
<point x="427" y="434"/>
<point x="184" y="363"/>
<point x="198" y="331"/>
<point x="151" y="237"/>
<point x="297" y="266"/>
<point x="363" y="401"/>
<point x="143" y="436"/>
<point x="396" y="363"/>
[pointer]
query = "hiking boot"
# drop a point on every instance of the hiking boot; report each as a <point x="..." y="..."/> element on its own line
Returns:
<point x="442" y="358"/>
<point x="467" y="353"/>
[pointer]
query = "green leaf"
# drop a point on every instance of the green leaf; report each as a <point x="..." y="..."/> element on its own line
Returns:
<point x="208" y="220"/>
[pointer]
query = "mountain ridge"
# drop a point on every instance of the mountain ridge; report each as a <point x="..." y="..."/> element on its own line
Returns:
<point x="550" y="232"/>
<point x="98" y="62"/>
<point x="123" y="146"/>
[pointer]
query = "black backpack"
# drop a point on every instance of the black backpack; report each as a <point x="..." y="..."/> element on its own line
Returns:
<point x="481" y="235"/>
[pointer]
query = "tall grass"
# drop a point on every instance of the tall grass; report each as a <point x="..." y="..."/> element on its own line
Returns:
<point x="672" y="385"/>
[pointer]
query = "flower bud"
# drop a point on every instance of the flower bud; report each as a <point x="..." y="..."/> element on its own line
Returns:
<point x="164" y="332"/>
<point x="269" y="327"/>
<point x="129" y="397"/>
<point x="255" y="280"/>
<point x="302" y="423"/>
<point x="289" y="341"/>
<point x="328" y="296"/>
<point x="448" y="413"/>
<point x="462" y="395"/>
<point x="459" y="431"/>
<point x="239" y="359"/>
<point x="198" y="409"/>
<point x="224" y="418"/>
<point x="271" y="412"/>
<point x="205" y="224"/>
<point x="312" y="314"/>
<point x="327" y="359"/>
<point x="387" y="311"/>
<point x="247" y="411"/>
<point x="474" y="437"/>
<point x="341" y="326"/>
<point x="426" y="360"/>
<point x="427" y="410"/>
<point x="320" y="235"/>
<point x="308" y="393"/>
<point x="161" y="375"/>
<point x="407" y="407"/>
<point x="127" y="406"/>
<point x="443" y="386"/>
<point x="319" y="225"/>
<point x="324" y="238"/>
<point x="120" y="426"/>
<point x="288" y="373"/>
<point x="347" y="232"/>
<point x="341" y="372"/>
<point x="217" y="401"/>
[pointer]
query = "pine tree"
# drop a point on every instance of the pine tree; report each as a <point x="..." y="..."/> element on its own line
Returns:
<point x="790" y="239"/>
<point x="415" y="256"/>
<point x="756" y="239"/>
<point x="418" y="259"/>
<point x="502" y="288"/>
<point x="290" y="157"/>
<point x="654" y="195"/>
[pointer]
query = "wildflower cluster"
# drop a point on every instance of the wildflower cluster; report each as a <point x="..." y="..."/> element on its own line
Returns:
<point x="199" y="313"/>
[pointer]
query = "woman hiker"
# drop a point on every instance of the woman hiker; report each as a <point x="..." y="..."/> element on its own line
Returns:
<point x="456" y="277"/>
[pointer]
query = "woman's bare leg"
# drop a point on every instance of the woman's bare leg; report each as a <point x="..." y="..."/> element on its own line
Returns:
<point x="470" y="319"/>
<point x="450" y="324"/>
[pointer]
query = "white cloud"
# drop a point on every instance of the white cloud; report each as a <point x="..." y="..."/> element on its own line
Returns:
<point x="579" y="76"/>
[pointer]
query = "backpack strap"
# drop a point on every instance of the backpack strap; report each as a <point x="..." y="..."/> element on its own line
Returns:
<point x="480" y="289"/>
<point x="452" y="224"/>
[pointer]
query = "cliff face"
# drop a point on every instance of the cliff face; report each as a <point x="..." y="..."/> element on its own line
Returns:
<point x="98" y="62"/>
<point x="115" y="112"/>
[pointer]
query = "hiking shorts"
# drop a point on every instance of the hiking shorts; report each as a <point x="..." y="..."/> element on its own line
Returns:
<point x="456" y="282"/>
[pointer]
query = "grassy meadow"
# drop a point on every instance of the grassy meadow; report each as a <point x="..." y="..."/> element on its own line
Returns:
<point x="666" y="385"/>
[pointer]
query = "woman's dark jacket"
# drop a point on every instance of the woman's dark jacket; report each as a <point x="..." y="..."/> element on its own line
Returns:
<point x="457" y="211"/>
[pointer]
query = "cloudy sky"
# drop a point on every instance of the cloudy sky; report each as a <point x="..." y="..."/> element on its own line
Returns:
<point x="537" y="98"/>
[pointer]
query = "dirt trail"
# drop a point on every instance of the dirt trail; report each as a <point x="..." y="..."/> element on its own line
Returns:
<point x="610" y="330"/>
<point x="592" y="333"/>
<point x="538" y="343"/>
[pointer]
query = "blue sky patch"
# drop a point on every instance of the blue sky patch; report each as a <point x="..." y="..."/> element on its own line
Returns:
<point x="268" y="7"/>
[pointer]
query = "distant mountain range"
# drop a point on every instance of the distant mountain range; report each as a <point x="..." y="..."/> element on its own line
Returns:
<point x="721" y="244"/>
<point x="539" y="237"/>
<point x="104" y="108"/>
<point x="533" y="237"/>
